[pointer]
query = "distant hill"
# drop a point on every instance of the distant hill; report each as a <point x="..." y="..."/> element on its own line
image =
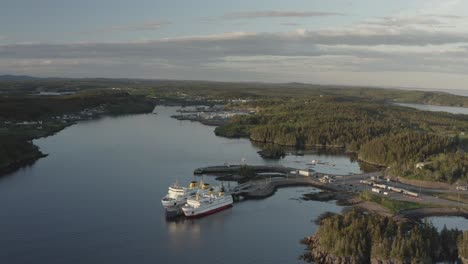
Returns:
<point x="17" y="78"/>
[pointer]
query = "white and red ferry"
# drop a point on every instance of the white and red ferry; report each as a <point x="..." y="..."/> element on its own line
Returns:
<point x="178" y="195"/>
<point x="207" y="203"/>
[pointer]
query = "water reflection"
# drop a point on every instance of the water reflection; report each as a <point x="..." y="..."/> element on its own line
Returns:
<point x="180" y="231"/>
<point x="435" y="108"/>
<point x="329" y="160"/>
<point x="95" y="198"/>
<point x="451" y="222"/>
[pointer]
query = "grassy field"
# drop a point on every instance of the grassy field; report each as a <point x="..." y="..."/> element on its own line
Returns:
<point x="454" y="197"/>
<point x="393" y="205"/>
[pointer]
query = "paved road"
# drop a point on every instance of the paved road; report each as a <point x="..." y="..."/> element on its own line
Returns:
<point x="348" y="183"/>
<point x="426" y="196"/>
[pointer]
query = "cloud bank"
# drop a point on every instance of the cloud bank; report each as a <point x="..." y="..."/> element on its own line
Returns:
<point x="389" y="51"/>
<point x="273" y="14"/>
<point x="137" y="27"/>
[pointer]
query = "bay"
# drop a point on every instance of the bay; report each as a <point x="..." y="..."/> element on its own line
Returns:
<point x="96" y="198"/>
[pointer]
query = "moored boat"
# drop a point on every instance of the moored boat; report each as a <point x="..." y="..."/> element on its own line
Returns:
<point x="178" y="195"/>
<point x="207" y="203"/>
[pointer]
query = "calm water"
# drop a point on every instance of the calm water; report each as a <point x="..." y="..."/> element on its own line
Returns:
<point x="450" y="222"/>
<point x="96" y="199"/>
<point x="435" y="108"/>
<point x="457" y="92"/>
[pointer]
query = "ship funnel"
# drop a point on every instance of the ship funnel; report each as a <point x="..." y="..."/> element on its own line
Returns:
<point x="193" y="184"/>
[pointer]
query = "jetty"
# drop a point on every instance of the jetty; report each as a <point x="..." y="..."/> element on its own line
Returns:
<point x="230" y="169"/>
<point x="263" y="188"/>
<point x="267" y="179"/>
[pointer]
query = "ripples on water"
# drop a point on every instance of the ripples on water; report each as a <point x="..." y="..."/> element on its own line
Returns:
<point x="96" y="198"/>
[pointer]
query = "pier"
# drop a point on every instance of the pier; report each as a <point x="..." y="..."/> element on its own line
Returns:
<point x="229" y="169"/>
<point x="258" y="189"/>
<point x="268" y="179"/>
<point x="271" y="177"/>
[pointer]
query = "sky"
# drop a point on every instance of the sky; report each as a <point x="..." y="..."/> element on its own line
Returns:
<point x="411" y="43"/>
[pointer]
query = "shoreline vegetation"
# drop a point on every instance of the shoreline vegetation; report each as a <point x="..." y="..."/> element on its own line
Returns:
<point x="25" y="118"/>
<point x="409" y="143"/>
<point x="357" y="236"/>
<point x="359" y="242"/>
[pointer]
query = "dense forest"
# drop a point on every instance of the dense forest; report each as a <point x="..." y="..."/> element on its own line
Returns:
<point x="361" y="237"/>
<point x="17" y="152"/>
<point x="25" y="107"/>
<point x="382" y="134"/>
<point x="463" y="247"/>
<point x="445" y="167"/>
<point x="408" y="147"/>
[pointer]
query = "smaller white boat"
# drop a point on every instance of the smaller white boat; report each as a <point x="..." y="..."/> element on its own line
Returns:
<point x="207" y="203"/>
<point x="178" y="195"/>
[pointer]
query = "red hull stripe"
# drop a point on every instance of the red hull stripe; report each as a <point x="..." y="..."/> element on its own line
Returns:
<point x="210" y="212"/>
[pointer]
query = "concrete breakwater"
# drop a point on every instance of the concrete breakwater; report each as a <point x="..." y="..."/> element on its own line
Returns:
<point x="205" y="121"/>
<point x="229" y="169"/>
<point x="260" y="189"/>
<point x="346" y="187"/>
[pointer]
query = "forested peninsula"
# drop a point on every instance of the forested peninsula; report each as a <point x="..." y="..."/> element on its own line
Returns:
<point x="361" y="237"/>
<point x="379" y="133"/>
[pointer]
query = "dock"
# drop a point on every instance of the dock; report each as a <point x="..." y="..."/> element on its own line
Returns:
<point x="259" y="189"/>
<point x="272" y="177"/>
<point x="229" y="169"/>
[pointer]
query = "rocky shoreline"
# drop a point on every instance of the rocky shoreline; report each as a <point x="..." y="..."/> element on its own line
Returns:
<point x="320" y="256"/>
<point x="23" y="162"/>
<point x="356" y="236"/>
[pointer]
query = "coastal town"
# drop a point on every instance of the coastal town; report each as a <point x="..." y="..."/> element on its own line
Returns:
<point x="212" y="115"/>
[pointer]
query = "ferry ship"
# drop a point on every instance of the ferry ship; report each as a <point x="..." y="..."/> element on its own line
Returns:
<point x="177" y="195"/>
<point x="207" y="203"/>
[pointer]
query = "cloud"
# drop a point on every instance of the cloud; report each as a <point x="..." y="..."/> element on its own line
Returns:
<point x="406" y="21"/>
<point x="454" y="17"/>
<point x="290" y="24"/>
<point x="300" y="42"/>
<point x="274" y="14"/>
<point x="138" y="27"/>
<point x="213" y="37"/>
<point x="385" y="49"/>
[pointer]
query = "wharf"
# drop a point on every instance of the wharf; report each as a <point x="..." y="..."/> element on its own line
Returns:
<point x="263" y="188"/>
<point x="229" y="169"/>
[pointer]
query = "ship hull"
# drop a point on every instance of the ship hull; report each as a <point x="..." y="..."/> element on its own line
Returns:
<point x="213" y="211"/>
<point x="195" y="209"/>
<point x="173" y="212"/>
<point x="173" y="203"/>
